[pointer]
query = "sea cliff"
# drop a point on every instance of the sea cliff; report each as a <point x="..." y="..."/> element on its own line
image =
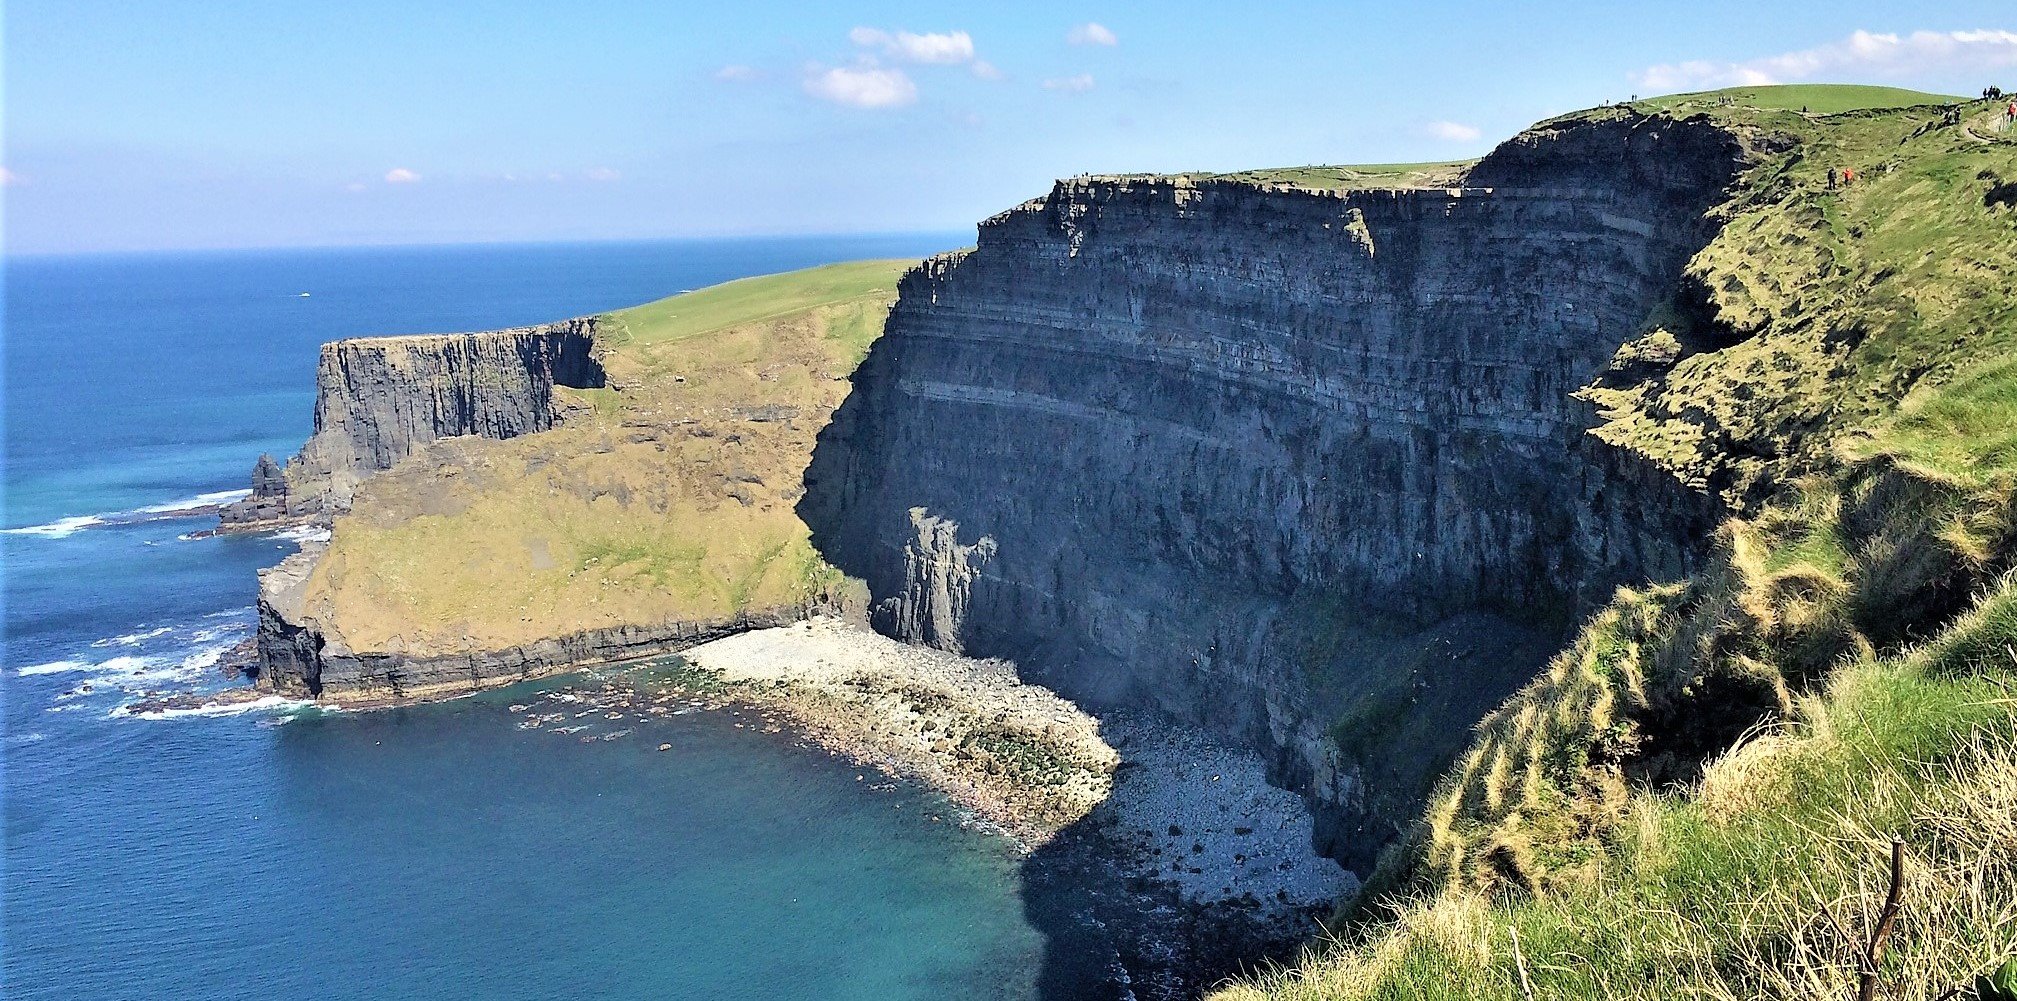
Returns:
<point x="1489" y="506"/>
<point x="1264" y="457"/>
<point x="378" y="399"/>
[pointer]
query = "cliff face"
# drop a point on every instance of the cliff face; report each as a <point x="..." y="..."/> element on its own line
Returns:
<point x="1290" y="464"/>
<point x="379" y="399"/>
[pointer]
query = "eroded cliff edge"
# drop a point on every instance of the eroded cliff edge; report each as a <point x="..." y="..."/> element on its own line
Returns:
<point x="378" y="399"/>
<point x="1307" y="468"/>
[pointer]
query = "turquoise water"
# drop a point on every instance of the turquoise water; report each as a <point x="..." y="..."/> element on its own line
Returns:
<point x="432" y="852"/>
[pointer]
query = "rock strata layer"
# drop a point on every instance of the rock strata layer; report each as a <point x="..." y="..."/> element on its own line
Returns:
<point x="1307" y="468"/>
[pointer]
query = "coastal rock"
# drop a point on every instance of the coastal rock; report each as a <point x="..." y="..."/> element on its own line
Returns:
<point x="298" y="657"/>
<point x="1307" y="468"/>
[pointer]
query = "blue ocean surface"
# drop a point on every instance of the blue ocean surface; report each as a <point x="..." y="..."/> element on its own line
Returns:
<point x="432" y="852"/>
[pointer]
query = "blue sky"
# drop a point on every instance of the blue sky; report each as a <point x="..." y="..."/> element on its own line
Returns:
<point x="138" y="125"/>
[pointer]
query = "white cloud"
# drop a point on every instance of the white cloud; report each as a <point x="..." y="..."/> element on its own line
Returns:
<point x="8" y="178"/>
<point x="986" y="70"/>
<point x="940" y="48"/>
<point x="601" y="174"/>
<point x="1863" y="54"/>
<point x="738" y="73"/>
<point x="1091" y="33"/>
<point x="1456" y="132"/>
<point x="866" y="86"/>
<point x="354" y="186"/>
<point x="1070" y="84"/>
<point x="400" y="175"/>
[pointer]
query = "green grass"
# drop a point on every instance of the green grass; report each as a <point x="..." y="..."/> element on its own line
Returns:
<point x="1964" y="431"/>
<point x="1350" y="176"/>
<point x="1816" y="98"/>
<point x="752" y="300"/>
<point x="1830" y="304"/>
<point x="1718" y="892"/>
<point x="1670" y="808"/>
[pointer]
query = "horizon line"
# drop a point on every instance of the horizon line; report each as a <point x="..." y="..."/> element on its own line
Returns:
<point x="9" y="255"/>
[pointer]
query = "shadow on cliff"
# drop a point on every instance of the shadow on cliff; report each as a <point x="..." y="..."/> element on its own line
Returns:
<point x="1111" y="933"/>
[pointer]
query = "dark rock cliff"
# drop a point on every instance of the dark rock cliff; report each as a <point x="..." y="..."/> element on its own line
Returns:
<point x="1303" y="467"/>
<point x="378" y="399"/>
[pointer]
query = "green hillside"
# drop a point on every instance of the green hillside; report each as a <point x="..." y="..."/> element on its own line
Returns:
<point x="1815" y="98"/>
<point x="1698" y="798"/>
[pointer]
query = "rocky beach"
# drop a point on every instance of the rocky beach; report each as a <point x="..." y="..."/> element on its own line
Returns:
<point x="1164" y="854"/>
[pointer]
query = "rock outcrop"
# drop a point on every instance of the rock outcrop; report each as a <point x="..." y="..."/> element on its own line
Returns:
<point x="1305" y="467"/>
<point x="299" y="658"/>
<point x="378" y="399"/>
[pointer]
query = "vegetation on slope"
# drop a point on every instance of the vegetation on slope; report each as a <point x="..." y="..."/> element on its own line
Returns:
<point x="1355" y="176"/>
<point x="1698" y="797"/>
<point x="1816" y="309"/>
<point x="665" y="497"/>
<point x="1814" y="98"/>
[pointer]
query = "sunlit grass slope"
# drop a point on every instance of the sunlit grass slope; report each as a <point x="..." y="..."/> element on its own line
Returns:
<point x="667" y="496"/>
<point x="1815" y="98"/>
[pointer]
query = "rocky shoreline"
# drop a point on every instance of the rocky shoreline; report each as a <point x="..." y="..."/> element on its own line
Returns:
<point x="1016" y="757"/>
<point x="1161" y="861"/>
<point x="1166" y="858"/>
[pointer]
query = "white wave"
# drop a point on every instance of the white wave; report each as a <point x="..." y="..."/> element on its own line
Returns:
<point x="189" y="661"/>
<point x="215" y="498"/>
<point x="133" y="639"/>
<point x="128" y="664"/>
<point x="55" y="667"/>
<point x="301" y="534"/>
<point x="212" y="634"/>
<point x="61" y="528"/>
<point x="268" y="703"/>
<point x="188" y="506"/>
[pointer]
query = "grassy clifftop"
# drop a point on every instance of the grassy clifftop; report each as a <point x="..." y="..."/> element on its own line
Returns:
<point x="1698" y="798"/>
<point x="665" y="497"/>
<point x="1814" y="98"/>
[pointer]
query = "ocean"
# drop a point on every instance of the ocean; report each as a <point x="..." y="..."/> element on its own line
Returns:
<point x="429" y="852"/>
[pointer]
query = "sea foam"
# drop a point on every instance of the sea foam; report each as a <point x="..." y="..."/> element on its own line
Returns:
<point x="187" y="507"/>
<point x="268" y="703"/>
<point x="61" y="528"/>
<point x="55" y="667"/>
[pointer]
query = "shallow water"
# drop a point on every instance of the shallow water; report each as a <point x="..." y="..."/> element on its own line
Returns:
<point x="438" y="851"/>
